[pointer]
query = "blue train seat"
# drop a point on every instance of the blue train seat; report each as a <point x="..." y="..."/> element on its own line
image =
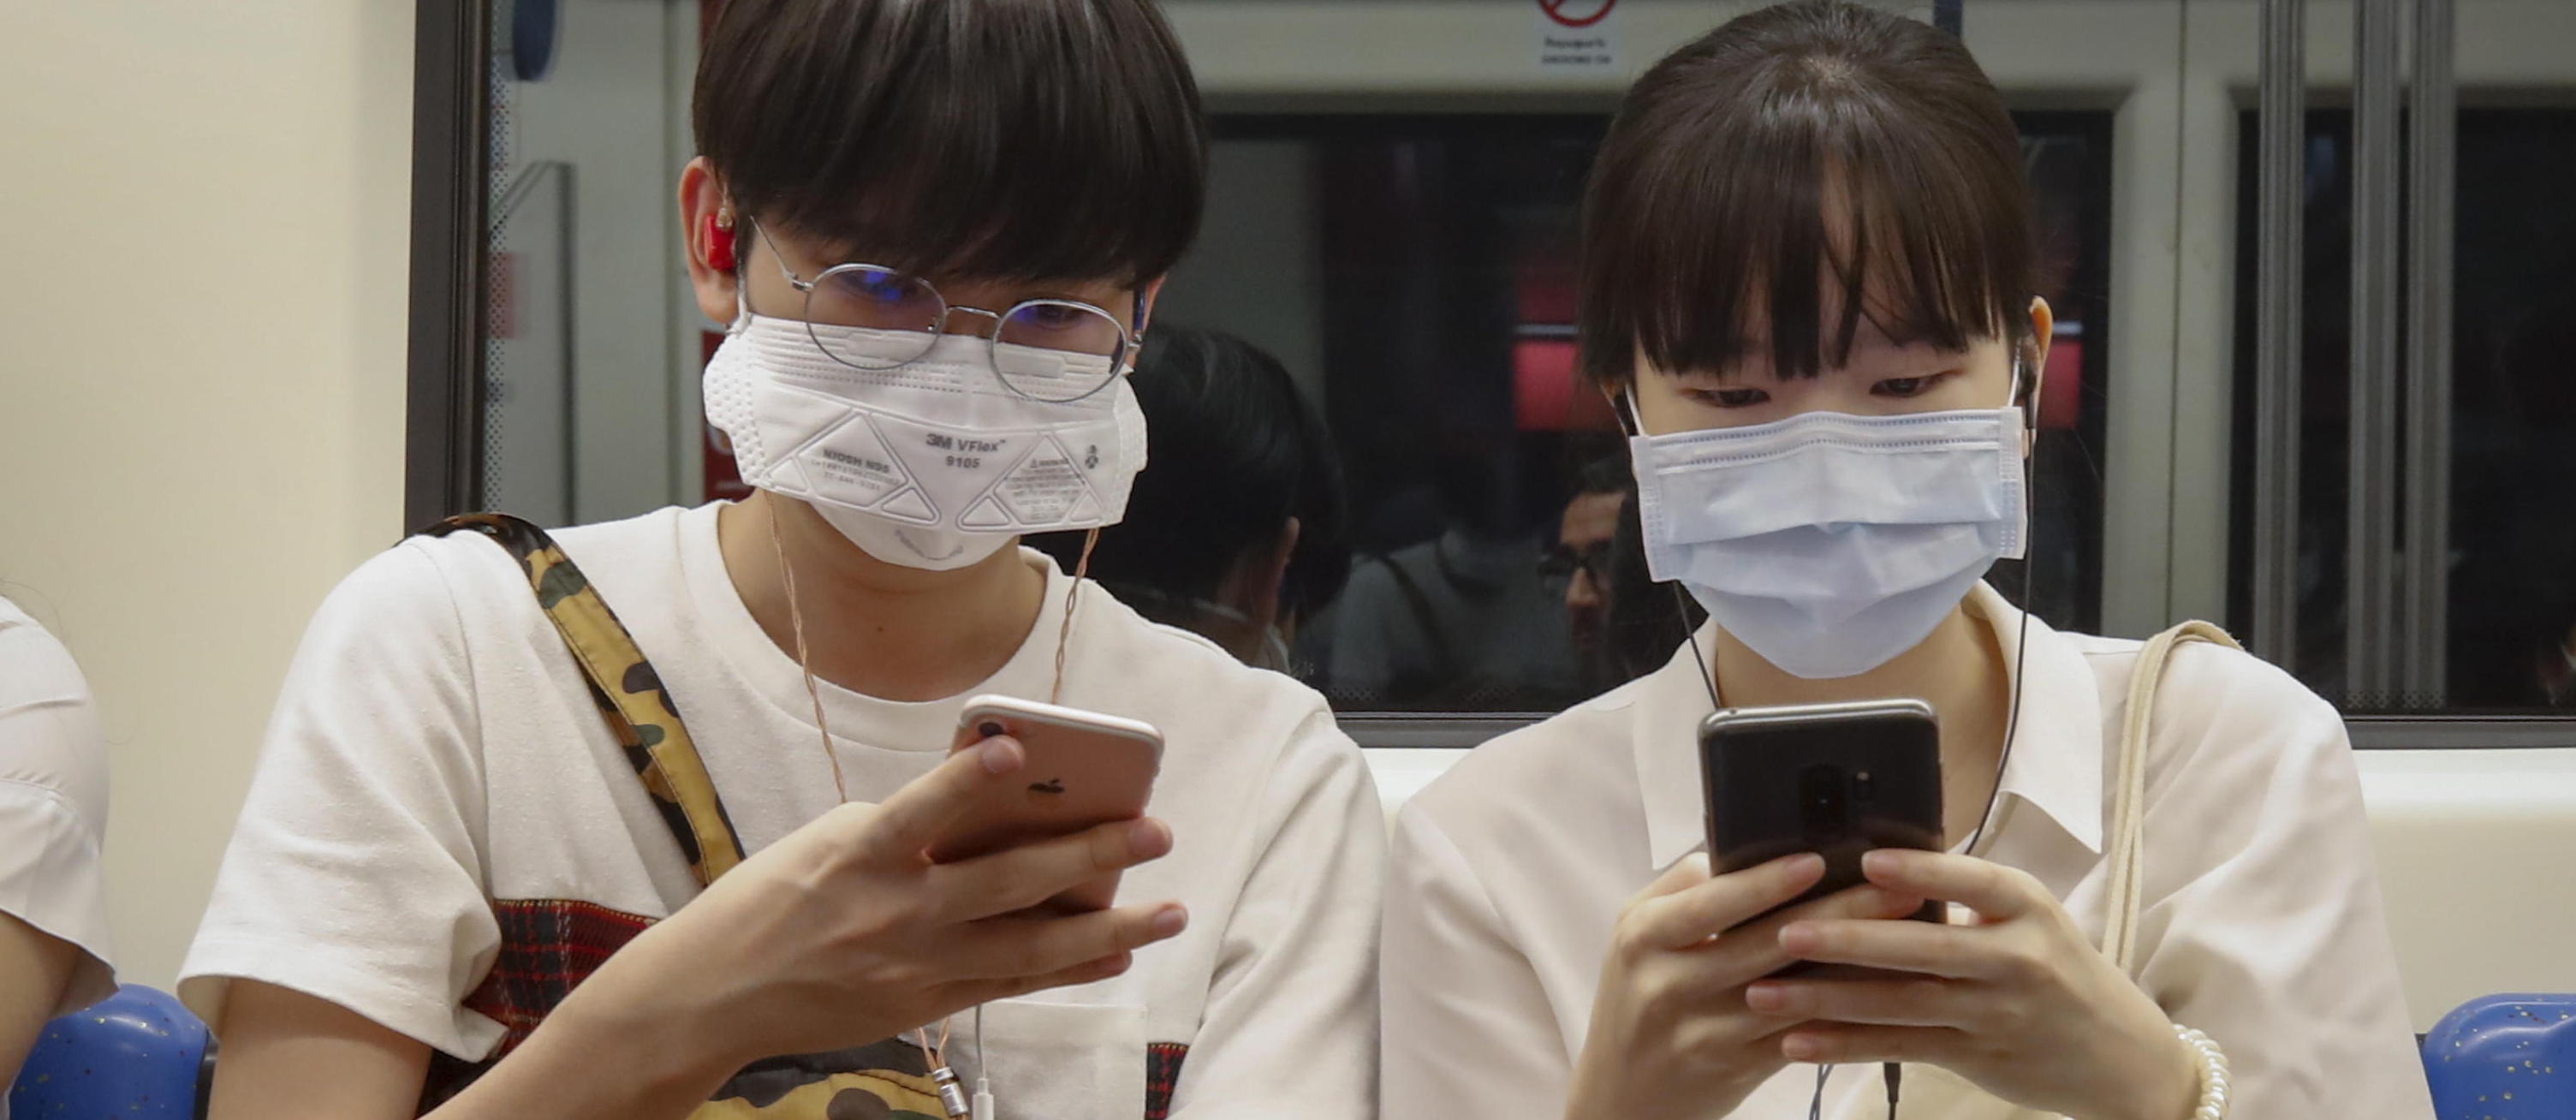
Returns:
<point x="138" y="1055"/>
<point x="2504" y="1057"/>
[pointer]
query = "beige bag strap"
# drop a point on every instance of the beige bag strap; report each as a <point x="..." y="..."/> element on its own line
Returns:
<point x="2129" y="789"/>
<point x="1934" y="1093"/>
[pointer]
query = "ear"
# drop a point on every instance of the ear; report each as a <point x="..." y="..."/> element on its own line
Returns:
<point x="2043" y="330"/>
<point x="1252" y="585"/>
<point x="703" y="208"/>
<point x="1280" y="555"/>
<point x="1146" y="298"/>
<point x="1622" y="409"/>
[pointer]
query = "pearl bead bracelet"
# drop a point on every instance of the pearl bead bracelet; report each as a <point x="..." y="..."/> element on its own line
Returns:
<point x="2213" y="1073"/>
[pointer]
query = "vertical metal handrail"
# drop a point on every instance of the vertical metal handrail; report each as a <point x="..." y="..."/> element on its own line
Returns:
<point x="2280" y="288"/>
<point x="2370" y="607"/>
<point x="2432" y="173"/>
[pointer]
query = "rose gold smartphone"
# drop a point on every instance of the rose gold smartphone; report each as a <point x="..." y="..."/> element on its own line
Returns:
<point x="1084" y="769"/>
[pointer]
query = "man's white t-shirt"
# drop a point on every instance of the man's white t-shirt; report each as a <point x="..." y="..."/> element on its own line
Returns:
<point x="437" y="776"/>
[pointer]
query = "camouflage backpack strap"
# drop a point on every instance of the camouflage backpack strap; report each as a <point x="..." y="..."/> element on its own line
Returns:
<point x="629" y="692"/>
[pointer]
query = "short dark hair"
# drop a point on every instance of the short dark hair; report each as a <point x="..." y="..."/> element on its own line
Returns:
<point x="1813" y="141"/>
<point x="1234" y="451"/>
<point x="990" y="139"/>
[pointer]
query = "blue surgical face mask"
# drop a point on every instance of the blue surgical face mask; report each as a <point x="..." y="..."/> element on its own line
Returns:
<point x="1830" y="543"/>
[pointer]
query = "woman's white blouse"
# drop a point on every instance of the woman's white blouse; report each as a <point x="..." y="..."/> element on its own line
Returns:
<point x="2261" y="924"/>
<point x="53" y="800"/>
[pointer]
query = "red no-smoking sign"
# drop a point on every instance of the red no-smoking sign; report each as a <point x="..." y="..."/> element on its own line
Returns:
<point x="1577" y="13"/>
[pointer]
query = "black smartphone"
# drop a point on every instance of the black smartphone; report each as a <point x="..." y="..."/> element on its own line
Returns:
<point x="1834" y="779"/>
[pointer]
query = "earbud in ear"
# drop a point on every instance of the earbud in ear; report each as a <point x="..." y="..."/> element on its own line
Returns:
<point x="2026" y="393"/>
<point x="720" y="256"/>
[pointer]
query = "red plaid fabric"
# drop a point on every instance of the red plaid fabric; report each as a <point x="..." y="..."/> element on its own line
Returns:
<point x="1162" y="1075"/>
<point x="548" y="947"/>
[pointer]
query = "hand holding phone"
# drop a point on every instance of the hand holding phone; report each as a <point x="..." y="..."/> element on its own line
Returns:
<point x="1672" y="1035"/>
<point x="1834" y="779"/>
<point x="840" y="935"/>
<point x="1083" y="769"/>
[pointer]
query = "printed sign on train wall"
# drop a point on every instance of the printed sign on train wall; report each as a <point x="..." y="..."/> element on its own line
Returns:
<point x="1577" y="36"/>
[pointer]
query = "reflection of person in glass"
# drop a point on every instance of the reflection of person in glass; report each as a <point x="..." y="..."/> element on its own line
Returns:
<point x="936" y="228"/>
<point x="1462" y="620"/>
<point x="1234" y="530"/>
<point x="1579" y="561"/>
<point x="1806" y="285"/>
<point x="1623" y="626"/>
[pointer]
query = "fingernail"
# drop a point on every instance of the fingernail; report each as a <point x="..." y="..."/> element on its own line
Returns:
<point x="1171" y="922"/>
<point x="1766" y="997"/>
<point x="1000" y="756"/>
<point x="1806" y="863"/>
<point x="1880" y="862"/>
<point x="1798" y="937"/>
<point x="1800" y="1048"/>
<point x="1148" y="839"/>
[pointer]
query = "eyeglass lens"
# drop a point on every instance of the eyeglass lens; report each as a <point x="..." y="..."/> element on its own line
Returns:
<point x="1049" y="350"/>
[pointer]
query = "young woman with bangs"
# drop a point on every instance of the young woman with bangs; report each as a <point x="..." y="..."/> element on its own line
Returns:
<point x="1805" y="269"/>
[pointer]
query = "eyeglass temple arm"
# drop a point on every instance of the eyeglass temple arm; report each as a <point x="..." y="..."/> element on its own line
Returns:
<point x="794" y="281"/>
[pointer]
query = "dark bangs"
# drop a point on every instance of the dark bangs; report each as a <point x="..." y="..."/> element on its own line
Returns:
<point x="1800" y="171"/>
<point x="984" y="139"/>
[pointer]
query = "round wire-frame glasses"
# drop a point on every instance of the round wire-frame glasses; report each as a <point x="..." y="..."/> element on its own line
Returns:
<point x="870" y="317"/>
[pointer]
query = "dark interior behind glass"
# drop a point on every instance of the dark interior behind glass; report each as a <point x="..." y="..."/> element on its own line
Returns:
<point x="2512" y="578"/>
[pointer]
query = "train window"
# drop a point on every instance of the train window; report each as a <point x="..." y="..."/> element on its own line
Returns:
<point x="1402" y="242"/>
<point x="1416" y="274"/>
<point x="2510" y="645"/>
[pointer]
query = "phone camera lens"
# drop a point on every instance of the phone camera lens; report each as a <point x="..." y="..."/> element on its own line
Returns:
<point x="991" y="729"/>
<point x="1864" y="788"/>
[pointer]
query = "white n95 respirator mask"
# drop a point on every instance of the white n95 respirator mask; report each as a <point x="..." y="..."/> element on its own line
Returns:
<point x="1831" y="543"/>
<point x="932" y="464"/>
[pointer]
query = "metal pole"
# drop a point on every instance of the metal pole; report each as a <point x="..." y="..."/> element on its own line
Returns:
<point x="2280" y="286"/>
<point x="2370" y="595"/>
<point x="2433" y="127"/>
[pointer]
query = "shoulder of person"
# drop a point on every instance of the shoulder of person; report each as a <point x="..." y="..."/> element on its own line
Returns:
<point x="472" y="574"/>
<point x="2221" y="707"/>
<point x="35" y="666"/>
<point x="429" y="594"/>
<point x="50" y="742"/>
<point x="1169" y="665"/>
<point x="1528" y="776"/>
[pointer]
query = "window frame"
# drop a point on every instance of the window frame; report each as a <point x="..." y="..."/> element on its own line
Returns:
<point x="451" y="162"/>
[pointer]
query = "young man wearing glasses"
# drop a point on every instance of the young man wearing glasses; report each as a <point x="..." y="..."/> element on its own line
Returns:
<point x="936" y="228"/>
